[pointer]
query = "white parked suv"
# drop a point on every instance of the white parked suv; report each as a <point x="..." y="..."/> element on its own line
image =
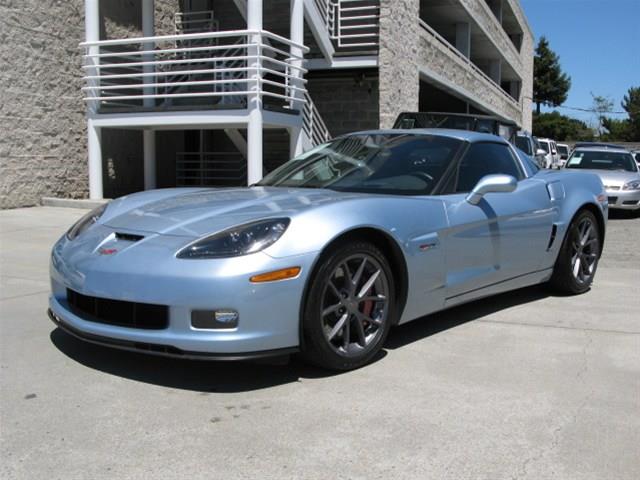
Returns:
<point x="563" y="152"/>
<point x="551" y="156"/>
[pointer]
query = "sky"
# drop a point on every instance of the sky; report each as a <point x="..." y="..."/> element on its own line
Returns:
<point x="598" y="42"/>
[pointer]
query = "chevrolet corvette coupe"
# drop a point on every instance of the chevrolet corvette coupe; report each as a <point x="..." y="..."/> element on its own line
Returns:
<point x="327" y="252"/>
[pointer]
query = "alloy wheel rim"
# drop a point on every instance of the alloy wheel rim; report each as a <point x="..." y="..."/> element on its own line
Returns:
<point x="584" y="251"/>
<point x="354" y="306"/>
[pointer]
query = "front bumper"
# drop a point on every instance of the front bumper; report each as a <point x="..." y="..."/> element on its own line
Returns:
<point x="163" y="350"/>
<point x="624" y="199"/>
<point x="268" y="312"/>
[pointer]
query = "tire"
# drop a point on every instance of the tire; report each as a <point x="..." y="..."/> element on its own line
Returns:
<point x="579" y="254"/>
<point x="345" y="322"/>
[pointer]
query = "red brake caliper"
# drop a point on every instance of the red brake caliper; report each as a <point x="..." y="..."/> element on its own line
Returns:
<point x="368" y="306"/>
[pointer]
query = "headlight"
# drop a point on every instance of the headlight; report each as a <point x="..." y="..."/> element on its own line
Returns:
<point x="242" y="240"/>
<point x="85" y="222"/>
<point x="634" y="185"/>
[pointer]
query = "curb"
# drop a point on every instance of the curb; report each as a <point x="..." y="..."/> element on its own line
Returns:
<point x="72" y="203"/>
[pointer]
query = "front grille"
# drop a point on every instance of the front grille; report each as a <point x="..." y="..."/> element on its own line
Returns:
<point x="612" y="200"/>
<point x="630" y="202"/>
<point x="612" y="187"/>
<point x="118" y="312"/>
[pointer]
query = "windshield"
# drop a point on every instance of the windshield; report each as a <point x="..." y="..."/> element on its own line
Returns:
<point x="602" y="161"/>
<point x="544" y="146"/>
<point x="403" y="164"/>
<point x="523" y="144"/>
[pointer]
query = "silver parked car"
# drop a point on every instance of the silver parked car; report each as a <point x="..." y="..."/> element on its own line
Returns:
<point x="329" y="251"/>
<point x="618" y="171"/>
<point x="529" y="145"/>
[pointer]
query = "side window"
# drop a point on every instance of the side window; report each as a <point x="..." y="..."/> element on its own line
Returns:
<point x="485" y="159"/>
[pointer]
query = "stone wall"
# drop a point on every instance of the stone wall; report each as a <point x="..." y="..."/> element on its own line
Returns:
<point x="42" y="115"/>
<point x="42" y="125"/>
<point x="346" y="100"/>
<point x="526" y="94"/>
<point x="398" y="59"/>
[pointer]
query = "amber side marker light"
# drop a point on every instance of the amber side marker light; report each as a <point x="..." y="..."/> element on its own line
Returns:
<point x="276" y="275"/>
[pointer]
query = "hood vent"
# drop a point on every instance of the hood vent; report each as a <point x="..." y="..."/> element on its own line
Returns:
<point x="128" y="237"/>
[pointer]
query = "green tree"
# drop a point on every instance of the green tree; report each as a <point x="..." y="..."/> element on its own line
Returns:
<point x="550" y="84"/>
<point x="560" y="127"/>
<point x="631" y="104"/>
<point x="616" y="130"/>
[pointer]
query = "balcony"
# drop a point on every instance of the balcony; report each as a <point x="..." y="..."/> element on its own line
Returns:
<point x="194" y="71"/>
<point x="353" y="25"/>
<point x="486" y="19"/>
<point x="445" y="64"/>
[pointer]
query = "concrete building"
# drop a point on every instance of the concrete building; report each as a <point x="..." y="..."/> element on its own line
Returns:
<point x="220" y="92"/>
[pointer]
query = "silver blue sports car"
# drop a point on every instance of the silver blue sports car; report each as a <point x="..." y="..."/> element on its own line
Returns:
<point x="327" y="252"/>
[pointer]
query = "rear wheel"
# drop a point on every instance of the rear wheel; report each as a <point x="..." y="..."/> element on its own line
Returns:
<point x="347" y="312"/>
<point x="577" y="261"/>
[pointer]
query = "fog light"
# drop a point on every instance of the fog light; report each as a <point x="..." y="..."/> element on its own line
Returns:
<point x="214" y="319"/>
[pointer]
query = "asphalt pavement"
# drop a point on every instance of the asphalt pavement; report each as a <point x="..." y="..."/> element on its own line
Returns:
<point x="524" y="385"/>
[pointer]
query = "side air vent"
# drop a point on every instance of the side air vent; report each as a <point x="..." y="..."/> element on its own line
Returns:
<point x="129" y="237"/>
<point x="554" y="231"/>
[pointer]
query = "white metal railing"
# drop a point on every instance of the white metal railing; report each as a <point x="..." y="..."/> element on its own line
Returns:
<point x="351" y="23"/>
<point x="447" y="46"/>
<point x="238" y="63"/>
<point x="210" y="168"/>
<point x="313" y="125"/>
<point x="194" y="22"/>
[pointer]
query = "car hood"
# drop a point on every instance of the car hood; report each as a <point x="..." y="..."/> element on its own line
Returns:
<point x="201" y="212"/>
<point x="614" y="178"/>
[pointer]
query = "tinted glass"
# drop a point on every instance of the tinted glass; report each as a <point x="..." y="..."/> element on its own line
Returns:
<point x="524" y="144"/>
<point x="377" y="163"/>
<point x="544" y="146"/>
<point x="602" y="161"/>
<point x="485" y="159"/>
<point x="529" y="164"/>
<point x="563" y="150"/>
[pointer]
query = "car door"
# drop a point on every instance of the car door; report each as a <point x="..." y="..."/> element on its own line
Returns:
<point x="556" y="156"/>
<point x="502" y="237"/>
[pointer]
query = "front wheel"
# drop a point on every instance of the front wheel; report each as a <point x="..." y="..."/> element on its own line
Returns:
<point x="347" y="315"/>
<point x="577" y="261"/>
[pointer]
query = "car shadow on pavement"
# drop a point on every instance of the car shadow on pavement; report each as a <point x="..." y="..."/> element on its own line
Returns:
<point x="453" y="317"/>
<point x="194" y="375"/>
<point x="233" y="377"/>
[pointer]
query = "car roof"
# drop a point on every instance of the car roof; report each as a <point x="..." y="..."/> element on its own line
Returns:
<point x="465" y="135"/>
<point x="602" y="149"/>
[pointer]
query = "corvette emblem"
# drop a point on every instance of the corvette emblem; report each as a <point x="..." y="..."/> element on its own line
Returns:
<point x="107" y="251"/>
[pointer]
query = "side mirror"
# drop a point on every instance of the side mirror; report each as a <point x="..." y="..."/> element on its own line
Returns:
<point x="491" y="184"/>
<point x="541" y="152"/>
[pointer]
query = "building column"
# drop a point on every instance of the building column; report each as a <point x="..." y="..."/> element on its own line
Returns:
<point x="94" y="147"/>
<point x="94" y="150"/>
<point x="463" y="38"/>
<point x="92" y="34"/>
<point x="148" y="30"/>
<point x="254" y="104"/>
<point x="297" y="36"/>
<point x="149" y="154"/>
<point x="514" y="89"/>
<point x="149" y="136"/>
<point x="495" y="70"/>
<point x="496" y="8"/>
